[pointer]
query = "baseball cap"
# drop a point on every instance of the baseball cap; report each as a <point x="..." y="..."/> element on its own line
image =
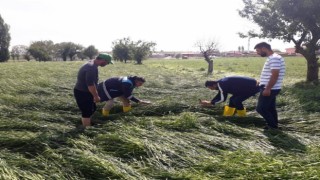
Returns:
<point x="106" y="57"/>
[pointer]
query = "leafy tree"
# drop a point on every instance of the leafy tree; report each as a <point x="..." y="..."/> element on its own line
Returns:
<point x="18" y="51"/>
<point x="27" y="56"/>
<point x="81" y="55"/>
<point x="178" y="56"/>
<point x="68" y="49"/>
<point x="4" y="41"/>
<point x="90" y="52"/>
<point x="121" y="49"/>
<point x="42" y="50"/>
<point x="14" y="55"/>
<point x="76" y="48"/>
<point x="61" y="50"/>
<point x="294" y="21"/>
<point x="141" y="50"/>
<point x="208" y="49"/>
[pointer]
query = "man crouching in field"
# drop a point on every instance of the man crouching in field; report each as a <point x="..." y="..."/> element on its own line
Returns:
<point x="241" y="89"/>
<point x="271" y="82"/>
<point x="120" y="87"/>
<point x="85" y="90"/>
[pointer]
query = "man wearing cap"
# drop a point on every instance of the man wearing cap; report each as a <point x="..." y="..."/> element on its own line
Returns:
<point x="85" y="90"/>
<point x="241" y="89"/>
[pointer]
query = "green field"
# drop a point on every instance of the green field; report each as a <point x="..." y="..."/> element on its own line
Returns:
<point x="174" y="138"/>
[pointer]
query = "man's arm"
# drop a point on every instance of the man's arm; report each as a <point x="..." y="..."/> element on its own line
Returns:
<point x="220" y="97"/>
<point x="91" y="78"/>
<point x="94" y="92"/>
<point x="272" y="82"/>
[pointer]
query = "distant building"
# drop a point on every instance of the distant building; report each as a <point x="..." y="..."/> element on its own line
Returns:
<point x="174" y="54"/>
<point x="191" y="54"/>
<point x="157" y="55"/>
<point x="291" y="51"/>
<point x="239" y="54"/>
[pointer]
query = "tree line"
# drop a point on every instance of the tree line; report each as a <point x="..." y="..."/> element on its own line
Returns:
<point x="49" y="51"/>
<point x="288" y="20"/>
<point x="122" y="49"/>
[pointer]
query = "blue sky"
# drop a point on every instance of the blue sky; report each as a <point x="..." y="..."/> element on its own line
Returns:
<point x="174" y="25"/>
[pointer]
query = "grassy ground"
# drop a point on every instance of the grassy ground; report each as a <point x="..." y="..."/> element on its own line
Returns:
<point x="173" y="138"/>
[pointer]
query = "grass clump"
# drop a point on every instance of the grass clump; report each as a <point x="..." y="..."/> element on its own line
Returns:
<point x="174" y="138"/>
<point x="251" y="165"/>
<point x="121" y="146"/>
<point x="185" y="122"/>
<point x="92" y="166"/>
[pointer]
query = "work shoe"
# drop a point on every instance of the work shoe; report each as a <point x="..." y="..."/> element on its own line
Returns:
<point x="105" y="112"/>
<point x="242" y="113"/>
<point x="228" y="111"/>
<point x="126" y="108"/>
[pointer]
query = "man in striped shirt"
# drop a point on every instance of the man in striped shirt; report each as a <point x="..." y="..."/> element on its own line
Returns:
<point x="271" y="79"/>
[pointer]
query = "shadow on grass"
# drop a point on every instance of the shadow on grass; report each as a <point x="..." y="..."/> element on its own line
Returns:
<point x="160" y="110"/>
<point x="25" y="143"/>
<point x="308" y="95"/>
<point x="244" y="122"/>
<point x="214" y="147"/>
<point x="174" y="108"/>
<point x="208" y="111"/>
<point x="120" y="147"/>
<point x="153" y="110"/>
<point x="284" y="141"/>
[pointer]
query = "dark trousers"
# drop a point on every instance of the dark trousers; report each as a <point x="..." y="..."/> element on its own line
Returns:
<point x="236" y="101"/>
<point x="267" y="108"/>
<point x="85" y="103"/>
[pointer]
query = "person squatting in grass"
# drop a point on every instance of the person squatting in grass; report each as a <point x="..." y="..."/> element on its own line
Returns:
<point x="271" y="79"/>
<point x="241" y="89"/>
<point x="85" y="90"/>
<point x="121" y="88"/>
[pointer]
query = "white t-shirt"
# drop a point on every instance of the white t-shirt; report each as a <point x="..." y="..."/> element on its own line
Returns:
<point x="275" y="61"/>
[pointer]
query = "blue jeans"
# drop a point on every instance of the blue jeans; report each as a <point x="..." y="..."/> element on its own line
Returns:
<point x="267" y="107"/>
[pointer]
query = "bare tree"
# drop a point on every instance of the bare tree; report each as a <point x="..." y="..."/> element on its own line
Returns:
<point x="208" y="49"/>
<point x="18" y="51"/>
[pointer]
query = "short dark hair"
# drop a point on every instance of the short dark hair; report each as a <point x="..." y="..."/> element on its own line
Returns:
<point x="263" y="45"/>
<point x="141" y="79"/>
<point x="210" y="83"/>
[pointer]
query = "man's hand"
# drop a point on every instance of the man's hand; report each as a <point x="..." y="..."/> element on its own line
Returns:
<point x="266" y="92"/>
<point x="273" y="79"/>
<point x="96" y="99"/>
<point x="145" y="102"/>
<point x="205" y="103"/>
<point x="94" y="92"/>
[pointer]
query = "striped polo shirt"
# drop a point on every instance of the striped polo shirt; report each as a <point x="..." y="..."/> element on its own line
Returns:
<point x="275" y="61"/>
